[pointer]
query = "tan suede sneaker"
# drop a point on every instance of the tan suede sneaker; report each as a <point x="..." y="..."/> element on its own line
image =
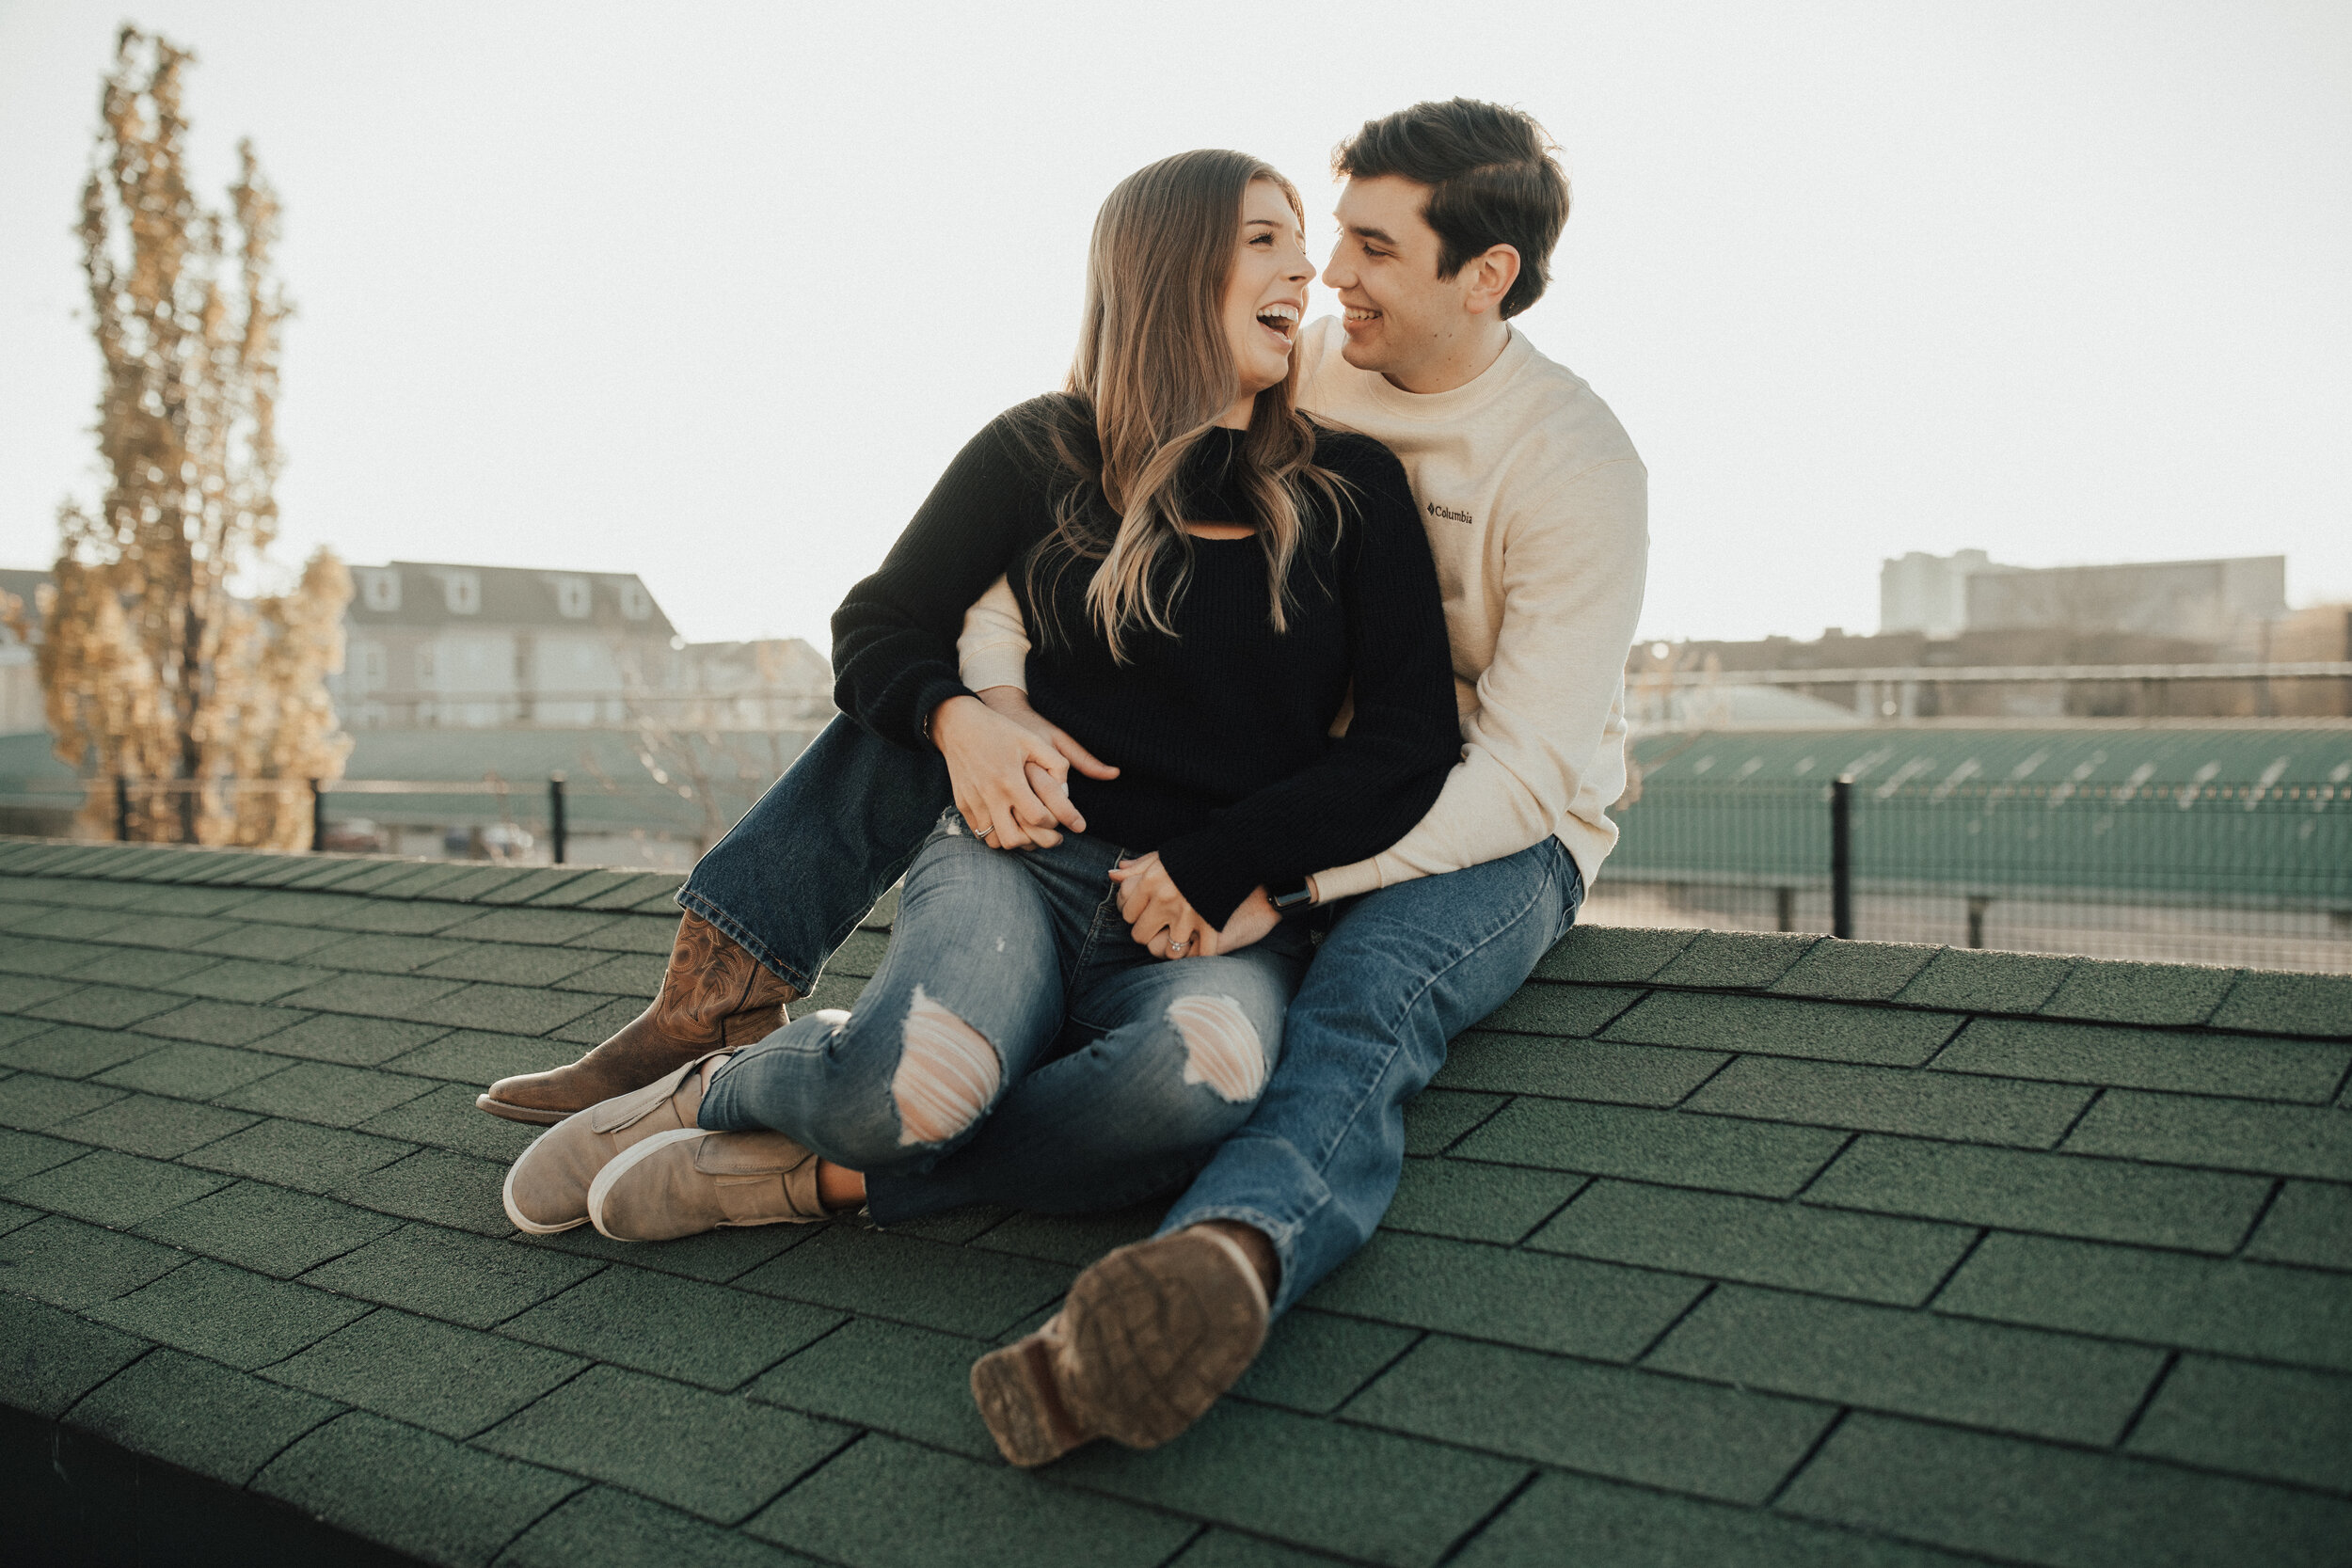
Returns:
<point x="1149" y="1338"/>
<point x="547" y="1187"/>
<point x="686" y="1182"/>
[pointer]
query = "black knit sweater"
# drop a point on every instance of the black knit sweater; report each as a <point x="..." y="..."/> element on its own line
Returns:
<point x="1220" y="732"/>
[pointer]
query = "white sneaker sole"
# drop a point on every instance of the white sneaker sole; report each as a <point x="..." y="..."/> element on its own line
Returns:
<point x="620" y="1164"/>
<point x="521" y="1220"/>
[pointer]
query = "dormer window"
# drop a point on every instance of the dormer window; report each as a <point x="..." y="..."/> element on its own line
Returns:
<point x="571" y="597"/>
<point x="635" y="602"/>
<point x="462" y="593"/>
<point x="379" y="591"/>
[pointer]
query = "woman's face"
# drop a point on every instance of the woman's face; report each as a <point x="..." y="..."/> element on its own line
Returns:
<point x="1265" y="298"/>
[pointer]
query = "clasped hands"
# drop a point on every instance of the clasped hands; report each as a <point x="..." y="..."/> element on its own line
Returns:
<point x="1009" y="768"/>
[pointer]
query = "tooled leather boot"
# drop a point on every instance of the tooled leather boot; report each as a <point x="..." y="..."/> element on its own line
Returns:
<point x="714" y="995"/>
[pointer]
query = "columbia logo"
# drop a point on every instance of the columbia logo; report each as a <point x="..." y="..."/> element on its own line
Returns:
<point x="1448" y="514"/>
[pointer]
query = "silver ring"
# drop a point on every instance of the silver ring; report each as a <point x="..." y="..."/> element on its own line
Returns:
<point x="1176" y="948"/>
<point x="983" y="832"/>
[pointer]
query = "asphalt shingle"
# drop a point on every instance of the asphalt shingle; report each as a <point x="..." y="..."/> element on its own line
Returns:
<point x="1967" y="980"/>
<point x="2056" y="1505"/>
<point x="1363" y="1493"/>
<point x="950" y="1288"/>
<point x="1986" y="1375"/>
<point x="1865" y="1256"/>
<point x="1634" y="1528"/>
<point x="2150" y="1059"/>
<point x="1575" y="1070"/>
<point x="71" y="1264"/>
<point x="49" y="1358"/>
<point x="1724" y="1443"/>
<point x="2235" y="1134"/>
<point x="2309" y="1224"/>
<point x="1654" y="1146"/>
<point x="2109" y="993"/>
<point x="446" y="1275"/>
<point x="2268" y="1422"/>
<point x="673" y="1327"/>
<point x="913" y="1383"/>
<point x="1889" y="1037"/>
<point x="295" y="1154"/>
<point x="2234" y="1308"/>
<point x="230" y="1315"/>
<point x="272" y="1230"/>
<point x="199" y="1416"/>
<point x="2108" y="1200"/>
<point x="1565" y="1304"/>
<point x="113" y="1189"/>
<point x="452" y="1381"/>
<point x="1894" y="1099"/>
<point x="150" y="1124"/>
<point x="708" y="1453"/>
<point x="893" y="1505"/>
<point x="423" y="1494"/>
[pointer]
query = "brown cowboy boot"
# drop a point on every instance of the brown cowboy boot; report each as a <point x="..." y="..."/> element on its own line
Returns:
<point x="714" y="995"/>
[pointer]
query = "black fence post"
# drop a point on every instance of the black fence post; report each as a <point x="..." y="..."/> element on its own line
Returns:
<point x="555" y="817"/>
<point x="122" y="809"/>
<point x="318" y="817"/>
<point x="1841" y="858"/>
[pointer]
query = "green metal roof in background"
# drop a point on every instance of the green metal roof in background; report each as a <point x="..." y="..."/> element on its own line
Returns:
<point x="1931" y="754"/>
<point x="2254" y="816"/>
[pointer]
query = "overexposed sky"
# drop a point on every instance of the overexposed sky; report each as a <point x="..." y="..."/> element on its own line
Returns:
<point x="710" y="293"/>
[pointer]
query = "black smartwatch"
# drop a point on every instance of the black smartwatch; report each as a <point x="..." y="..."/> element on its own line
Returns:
<point x="1292" y="900"/>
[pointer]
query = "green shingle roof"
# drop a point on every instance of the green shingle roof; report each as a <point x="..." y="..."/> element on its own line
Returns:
<point x="1712" y="1249"/>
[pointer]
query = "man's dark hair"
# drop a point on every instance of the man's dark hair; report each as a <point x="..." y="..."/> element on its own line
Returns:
<point x="1493" y="179"/>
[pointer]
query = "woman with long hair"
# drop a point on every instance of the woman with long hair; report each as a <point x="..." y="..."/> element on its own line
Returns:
<point x="1212" y="582"/>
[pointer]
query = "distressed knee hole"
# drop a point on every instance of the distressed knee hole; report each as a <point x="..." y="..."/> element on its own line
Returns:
<point x="947" y="1073"/>
<point x="1221" y="1047"/>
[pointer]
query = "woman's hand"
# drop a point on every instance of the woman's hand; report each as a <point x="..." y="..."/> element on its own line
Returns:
<point x="1158" y="914"/>
<point x="1007" y="776"/>
<point x="1252" y="918"/>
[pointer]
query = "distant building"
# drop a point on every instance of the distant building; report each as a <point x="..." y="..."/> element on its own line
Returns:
<point x="437" y="645"/>
<point x="2228" y="604"/>
<point x="1929" y="594"/>
<point x="433" y="645"/>
<point x="21" y="707"/>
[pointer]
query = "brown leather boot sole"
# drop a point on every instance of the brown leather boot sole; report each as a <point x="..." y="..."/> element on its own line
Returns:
<point x="1151" y="1336"/>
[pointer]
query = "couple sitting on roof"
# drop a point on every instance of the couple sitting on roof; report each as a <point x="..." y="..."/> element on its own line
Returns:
<point x="1235" y="758"/>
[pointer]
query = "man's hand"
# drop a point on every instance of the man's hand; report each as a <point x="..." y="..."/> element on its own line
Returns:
<point x="1008" y="779"/>
<point x="1013" y="704"/>
<point x="1253" y="918"/>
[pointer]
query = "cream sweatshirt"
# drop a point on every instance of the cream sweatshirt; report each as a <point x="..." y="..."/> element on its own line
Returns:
<point x="1537" y="510"/>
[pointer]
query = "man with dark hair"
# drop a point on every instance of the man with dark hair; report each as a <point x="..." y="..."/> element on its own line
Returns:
<point x="1536" y="507"/>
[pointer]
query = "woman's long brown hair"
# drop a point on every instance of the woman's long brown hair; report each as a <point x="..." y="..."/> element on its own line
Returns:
<point x="1153" y="374"/>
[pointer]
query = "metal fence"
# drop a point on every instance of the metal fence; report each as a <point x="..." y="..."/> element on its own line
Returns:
<point x="2188" y="871"/>
<point x="557" y="819"/>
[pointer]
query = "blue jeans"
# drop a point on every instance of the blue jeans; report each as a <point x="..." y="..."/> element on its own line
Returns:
<point x="1405" y="971"/>
<point x="1017" y="1046"/>
<point x="1316" y="1164"/>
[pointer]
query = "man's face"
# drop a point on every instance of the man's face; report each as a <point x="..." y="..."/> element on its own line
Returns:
<point x="1400" y="314"/>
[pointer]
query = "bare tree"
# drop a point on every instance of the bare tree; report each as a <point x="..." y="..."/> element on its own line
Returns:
<point x="151" y="667"/>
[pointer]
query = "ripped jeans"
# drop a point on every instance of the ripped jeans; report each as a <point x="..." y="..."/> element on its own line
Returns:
<point x="1018" y="1047"/>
